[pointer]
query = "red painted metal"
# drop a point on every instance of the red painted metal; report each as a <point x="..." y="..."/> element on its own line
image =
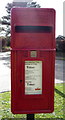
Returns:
<point x="22" y="43"/>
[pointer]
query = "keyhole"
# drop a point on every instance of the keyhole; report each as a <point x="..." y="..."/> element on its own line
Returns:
<point x="20" y="80"/>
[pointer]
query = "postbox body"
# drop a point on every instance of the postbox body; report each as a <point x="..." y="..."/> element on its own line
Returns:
<point x="32" y="60"/>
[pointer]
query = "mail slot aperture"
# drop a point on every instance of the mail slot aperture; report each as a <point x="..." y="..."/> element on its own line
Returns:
<point x="33" y="29"/>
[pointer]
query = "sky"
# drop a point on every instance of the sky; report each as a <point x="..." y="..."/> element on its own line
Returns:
<point x="56" y="4"/>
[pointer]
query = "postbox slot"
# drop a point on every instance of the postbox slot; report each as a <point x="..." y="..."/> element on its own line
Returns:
<point x="33" y="29"/>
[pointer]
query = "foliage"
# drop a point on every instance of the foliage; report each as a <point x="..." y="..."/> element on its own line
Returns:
<point x="60" y="43"/>
<point x="5" y="101"/>
<point x="6" y="19"/>
<point x="33" y="4"/>
<point x="8" y="41"/>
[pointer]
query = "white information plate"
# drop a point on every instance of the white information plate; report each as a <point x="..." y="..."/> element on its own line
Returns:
<point x="33" y="77"/>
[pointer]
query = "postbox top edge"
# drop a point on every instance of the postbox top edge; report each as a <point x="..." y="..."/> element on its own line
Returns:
<point x="29" y="8"/>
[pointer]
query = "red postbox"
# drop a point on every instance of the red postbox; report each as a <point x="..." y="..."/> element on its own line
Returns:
<point x="32" y="60"/>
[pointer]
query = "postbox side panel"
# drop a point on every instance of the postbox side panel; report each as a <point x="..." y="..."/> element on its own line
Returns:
<point x="22" y="103"/>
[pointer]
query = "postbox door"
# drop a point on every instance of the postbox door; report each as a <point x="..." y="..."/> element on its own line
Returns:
<point x="33" y="83"/>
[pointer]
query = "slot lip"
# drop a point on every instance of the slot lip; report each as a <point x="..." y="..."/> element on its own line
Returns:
<point x="33" y="29"/>
<point x="45" y="50"/>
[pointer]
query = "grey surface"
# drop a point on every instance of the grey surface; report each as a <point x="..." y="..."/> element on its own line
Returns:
<point x="59" y="69"/>
<point x="5" y="77"/>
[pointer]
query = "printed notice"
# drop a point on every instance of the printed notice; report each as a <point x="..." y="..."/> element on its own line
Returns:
<point x="33" y="77"/>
